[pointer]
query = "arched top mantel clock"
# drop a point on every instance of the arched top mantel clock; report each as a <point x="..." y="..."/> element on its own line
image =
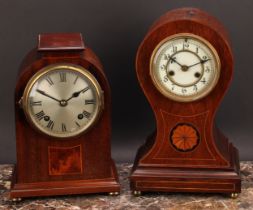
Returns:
<point x="63" y="121"/>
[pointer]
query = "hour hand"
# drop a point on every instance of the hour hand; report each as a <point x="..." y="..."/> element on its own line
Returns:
<point x="45" y="94"/>
<point x="77" y="93"/>
<point x="174" y="60"/>
<point x="201" y="62"/>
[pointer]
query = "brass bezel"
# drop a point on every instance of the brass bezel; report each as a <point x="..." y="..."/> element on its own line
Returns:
<point x="182" y="98"/>
<point x="72" y="67"/>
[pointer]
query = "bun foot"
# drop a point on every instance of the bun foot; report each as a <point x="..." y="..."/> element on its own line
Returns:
<point x="113" y="193"/>
<point x="234" y="195"/>
<point x="137" y="193"/>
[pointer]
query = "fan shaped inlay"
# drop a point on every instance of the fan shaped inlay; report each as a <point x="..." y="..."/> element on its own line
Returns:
<point x="184" y="137"/>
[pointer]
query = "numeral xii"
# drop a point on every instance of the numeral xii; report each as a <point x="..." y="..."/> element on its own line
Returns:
<point x="63" y="77"/>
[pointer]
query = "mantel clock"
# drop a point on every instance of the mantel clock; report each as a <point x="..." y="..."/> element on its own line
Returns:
<point x="63" y="121"/>
<point x="184" y="66"/>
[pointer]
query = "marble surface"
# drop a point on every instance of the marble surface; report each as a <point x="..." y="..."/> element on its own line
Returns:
<point x="126" y="201"/>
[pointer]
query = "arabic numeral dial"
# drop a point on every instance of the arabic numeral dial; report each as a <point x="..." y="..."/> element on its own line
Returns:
<point x="187" y="61"/>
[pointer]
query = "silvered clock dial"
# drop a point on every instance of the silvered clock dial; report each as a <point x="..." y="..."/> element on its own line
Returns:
<point x="62" y="100"/>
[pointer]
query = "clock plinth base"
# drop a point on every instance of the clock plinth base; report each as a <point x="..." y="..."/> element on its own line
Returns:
<point x="38" y="189"/>
<point x="181" y="179"/>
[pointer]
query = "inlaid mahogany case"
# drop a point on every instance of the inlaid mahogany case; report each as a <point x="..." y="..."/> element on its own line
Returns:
<point x="211" y="164"/>
<point x="88" y="167"/>
<point x="202" y="171"/>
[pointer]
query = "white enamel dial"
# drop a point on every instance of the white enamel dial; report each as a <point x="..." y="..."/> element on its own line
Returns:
<point x="185" y="67"/>
<point x="62" y="100"/>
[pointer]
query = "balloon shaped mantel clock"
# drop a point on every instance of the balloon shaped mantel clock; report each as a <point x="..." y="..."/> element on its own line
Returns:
<point x="63" y="121"/>
<point x="184" y="66"/>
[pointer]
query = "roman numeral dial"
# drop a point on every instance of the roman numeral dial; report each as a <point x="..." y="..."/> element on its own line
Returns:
<point x="63" y="101"/>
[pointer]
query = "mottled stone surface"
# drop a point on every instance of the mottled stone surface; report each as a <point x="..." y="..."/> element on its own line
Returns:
<point x="126" y="201"/>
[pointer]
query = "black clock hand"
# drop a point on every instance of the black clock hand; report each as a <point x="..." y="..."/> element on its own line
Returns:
<point x="175" y="60"/>
<point x="45" y="94"/>
<point x="201" y="62"/>
<point x="77" y="93"/>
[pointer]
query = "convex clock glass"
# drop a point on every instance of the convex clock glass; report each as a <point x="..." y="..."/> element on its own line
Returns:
<point x="62" y="100"/>
<point x="185" y="67"/>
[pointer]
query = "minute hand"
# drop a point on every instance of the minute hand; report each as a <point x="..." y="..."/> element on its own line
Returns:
<point x="201" y="62"/>
<point x="45" y="94"/>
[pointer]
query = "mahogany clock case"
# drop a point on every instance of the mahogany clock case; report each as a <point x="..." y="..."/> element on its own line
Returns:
<point x="21" y="26"/>
<point x="212" y="165"/>
<point x="94" y="170"/>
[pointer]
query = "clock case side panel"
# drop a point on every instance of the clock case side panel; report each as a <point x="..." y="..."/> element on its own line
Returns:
<point x="98" y="169"/>
<point x="146" y="166"/>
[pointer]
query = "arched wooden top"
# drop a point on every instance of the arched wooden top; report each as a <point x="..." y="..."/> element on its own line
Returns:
<point x="197" y="22"/>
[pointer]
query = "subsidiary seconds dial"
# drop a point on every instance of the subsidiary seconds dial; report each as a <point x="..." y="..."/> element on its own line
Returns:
<point x="185" y="67"/>
<point x="62" y="100"/>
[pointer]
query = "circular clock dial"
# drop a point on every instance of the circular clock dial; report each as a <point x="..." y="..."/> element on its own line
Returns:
<point x="62" y="100"/>
<point x="185" y="67"/>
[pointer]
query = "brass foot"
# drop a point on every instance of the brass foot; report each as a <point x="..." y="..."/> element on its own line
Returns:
<point x="16" y="199"/>
<point x="113" y="193"/>
<point x="234" y="195"/>
<point x="136" y="193"/>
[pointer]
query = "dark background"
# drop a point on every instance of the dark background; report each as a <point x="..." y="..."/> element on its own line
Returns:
<point x="114" y="29"/>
